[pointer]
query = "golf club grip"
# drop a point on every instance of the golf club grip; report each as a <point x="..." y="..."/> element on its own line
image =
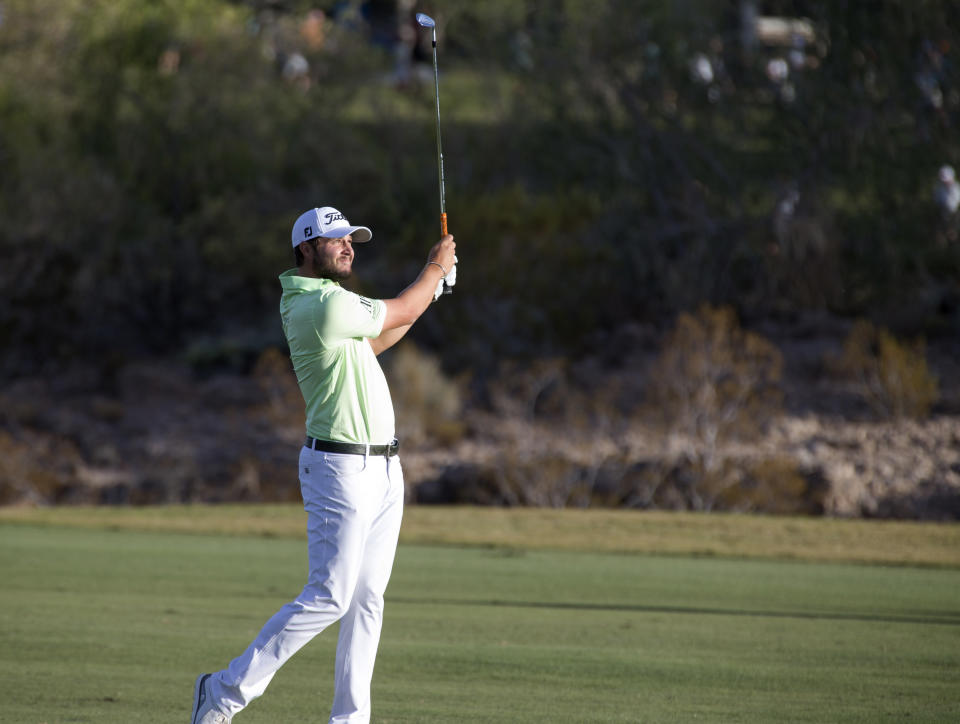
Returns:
<point x="447" y="289"/>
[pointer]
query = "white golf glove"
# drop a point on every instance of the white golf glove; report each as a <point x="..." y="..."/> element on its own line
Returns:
<point x="450" y="279"/>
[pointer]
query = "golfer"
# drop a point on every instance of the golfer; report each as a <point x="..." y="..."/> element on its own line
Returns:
<point x="350" y="475"/>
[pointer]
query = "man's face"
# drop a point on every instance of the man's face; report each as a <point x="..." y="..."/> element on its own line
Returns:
<point x="333" y="258"/>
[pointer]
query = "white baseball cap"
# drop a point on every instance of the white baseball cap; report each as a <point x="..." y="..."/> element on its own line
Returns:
<point x="328" y="223"/>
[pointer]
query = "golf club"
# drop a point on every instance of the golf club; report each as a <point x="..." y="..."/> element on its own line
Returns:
<point x="425" y="21"/>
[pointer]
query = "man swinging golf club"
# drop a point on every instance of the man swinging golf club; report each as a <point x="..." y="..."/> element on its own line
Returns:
<point x="350" y="474"/>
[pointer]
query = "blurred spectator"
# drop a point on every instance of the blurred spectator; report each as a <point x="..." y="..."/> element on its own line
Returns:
<point x="797" y="55"/>
<point x="313" y="30"/>
<point x="723" y="82"/>
<point x="803" y="265"/>
<point x="412" y="62"/>
<point x="651" y="64"/>
<point x="707" y="69"/>
<point x="946" y="194"/>
<point x="783" y="215"/>
<point x="930" y="79"/>
<point x="929" y="75"/>
<point x="169" y="62"/>
<point x="296" y="69"/>
<point x="403" y="50"/>
<point x="788" y="93"/>
<point x="522" y="46"/>
<point x="701" y="70"/>
<point x="777" y="71"/>
<point x="749" y="12"/>
<point x="947" y="191"/>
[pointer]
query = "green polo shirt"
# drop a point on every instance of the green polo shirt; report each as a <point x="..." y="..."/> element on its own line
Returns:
<point x="344" y="389"/>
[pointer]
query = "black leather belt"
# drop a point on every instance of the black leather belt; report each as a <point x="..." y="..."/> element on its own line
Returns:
<point x="353" y="448"/>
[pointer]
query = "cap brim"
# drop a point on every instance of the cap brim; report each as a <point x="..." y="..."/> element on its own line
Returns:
<point x="360" y="234"/>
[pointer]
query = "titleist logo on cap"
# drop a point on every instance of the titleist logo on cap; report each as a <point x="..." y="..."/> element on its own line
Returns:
<point x="333" y="216"/>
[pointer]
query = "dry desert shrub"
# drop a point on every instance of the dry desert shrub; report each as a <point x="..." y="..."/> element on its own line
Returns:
<point x="892" y="376"/>
<point x="428" y="403"/>
<point x="35" y="470"/>
<point x="712" y="382"/>
<point x="775" y="485"/>
<point x="555" y="436"/>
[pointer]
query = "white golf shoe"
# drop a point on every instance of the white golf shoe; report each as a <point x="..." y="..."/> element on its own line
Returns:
<point x="203" y="711"/>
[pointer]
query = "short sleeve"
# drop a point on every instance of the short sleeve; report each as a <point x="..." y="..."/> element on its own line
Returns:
<point x="345" y="315"/>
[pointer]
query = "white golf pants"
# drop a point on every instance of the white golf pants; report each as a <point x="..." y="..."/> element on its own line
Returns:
<point x="354" y="505"/>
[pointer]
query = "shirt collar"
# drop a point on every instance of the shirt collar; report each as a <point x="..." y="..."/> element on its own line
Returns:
<point x="292" y="281"/>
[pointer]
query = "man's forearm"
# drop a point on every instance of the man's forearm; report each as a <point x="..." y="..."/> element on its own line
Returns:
<point x="421" y="291"/>
<point x="413" y="301"/>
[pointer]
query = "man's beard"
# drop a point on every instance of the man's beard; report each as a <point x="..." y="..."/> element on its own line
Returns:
<point x="329" y="271"/>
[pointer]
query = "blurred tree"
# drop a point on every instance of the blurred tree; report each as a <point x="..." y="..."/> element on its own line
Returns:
<point x="152" y="152"/>
<point x="607" y="162"/>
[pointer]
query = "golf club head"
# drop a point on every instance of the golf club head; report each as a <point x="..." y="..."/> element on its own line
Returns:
<point x="425" y="21"/>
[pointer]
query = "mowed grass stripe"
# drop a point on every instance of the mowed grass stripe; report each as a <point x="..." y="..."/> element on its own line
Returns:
<point x="111" y="626"/>
<point x="670" y="533"/>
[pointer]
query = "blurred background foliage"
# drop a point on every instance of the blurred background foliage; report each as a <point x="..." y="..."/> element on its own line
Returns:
<point x="649" y="198"/>
<point x="607" y="163"/>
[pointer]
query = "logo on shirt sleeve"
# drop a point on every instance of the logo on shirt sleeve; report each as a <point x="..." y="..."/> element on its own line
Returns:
<point x="367" y="304"/>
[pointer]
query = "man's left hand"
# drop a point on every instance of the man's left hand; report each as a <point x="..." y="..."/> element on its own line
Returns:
<point x="448" y="281"/>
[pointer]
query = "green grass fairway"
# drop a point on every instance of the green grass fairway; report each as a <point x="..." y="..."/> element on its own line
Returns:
<point x="103" y="626"/>
<point x="600" y="530"/>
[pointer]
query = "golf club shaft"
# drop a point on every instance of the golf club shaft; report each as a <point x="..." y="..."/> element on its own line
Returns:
<point x="436" y="83"/>
<point x="447" y="289"/>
